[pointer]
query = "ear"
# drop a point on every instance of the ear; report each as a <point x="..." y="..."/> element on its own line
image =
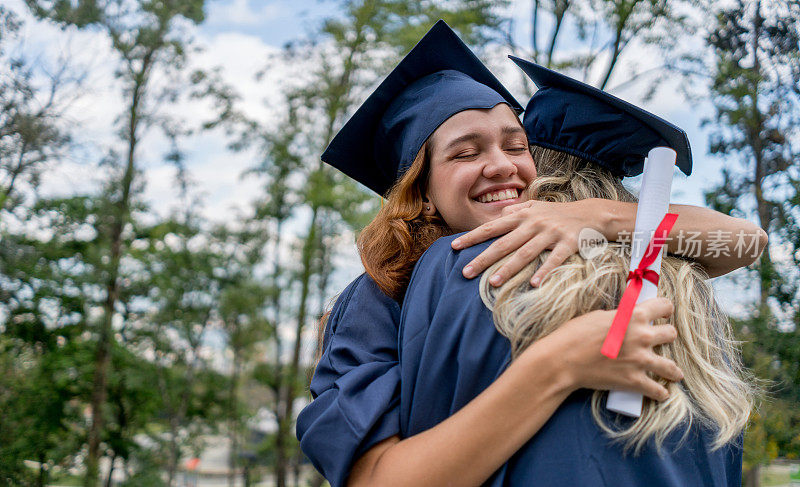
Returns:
<point x="428" y="208"/>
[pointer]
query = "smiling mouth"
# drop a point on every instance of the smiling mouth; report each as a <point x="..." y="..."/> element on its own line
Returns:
<point x="503" y="194"/>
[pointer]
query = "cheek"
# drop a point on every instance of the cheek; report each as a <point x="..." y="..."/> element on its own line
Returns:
<point x="527" y="169"/>
<point x="435" y="182"/>
<point x="452" y="184"/>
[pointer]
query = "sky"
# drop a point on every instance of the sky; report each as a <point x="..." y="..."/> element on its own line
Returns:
<point x="239" y="36"/>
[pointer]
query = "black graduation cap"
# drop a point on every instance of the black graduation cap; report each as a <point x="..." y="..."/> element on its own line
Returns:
<point x="576" y="118"/>
<point x="440" y="77"/>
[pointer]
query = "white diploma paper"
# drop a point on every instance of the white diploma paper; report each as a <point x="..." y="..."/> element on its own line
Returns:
<point x="653" y="205"/>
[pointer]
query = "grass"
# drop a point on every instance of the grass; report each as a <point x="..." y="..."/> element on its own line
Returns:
<point x="780" y="475"/>
<point x="66" y="480"/>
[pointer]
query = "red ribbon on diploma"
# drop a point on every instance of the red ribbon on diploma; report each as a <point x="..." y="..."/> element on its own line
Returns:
<point x="636" y="277"/>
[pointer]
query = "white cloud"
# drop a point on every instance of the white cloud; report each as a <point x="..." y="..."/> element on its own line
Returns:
<point x="244" y="12"/>
<point x="215" y="170"/>
<point x="241" y="57"/>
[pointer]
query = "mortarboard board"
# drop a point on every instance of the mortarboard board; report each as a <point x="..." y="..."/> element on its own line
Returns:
<point x="440" y="77"/>
<point x="579" y="119"/>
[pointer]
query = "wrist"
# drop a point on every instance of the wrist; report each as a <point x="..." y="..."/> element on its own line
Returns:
<point x="616" y="217"/>
<point x="548" y="357"/>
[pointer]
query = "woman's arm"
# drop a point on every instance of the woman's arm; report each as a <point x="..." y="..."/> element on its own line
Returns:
<point x="719" y="242"/>
<point x="469" y="446"/>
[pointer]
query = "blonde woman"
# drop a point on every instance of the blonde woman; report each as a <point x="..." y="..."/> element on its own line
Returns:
<point x="716" y="394"/>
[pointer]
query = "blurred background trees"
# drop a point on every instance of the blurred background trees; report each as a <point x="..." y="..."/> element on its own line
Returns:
<point x="755" y="89"/>
<point x="132" y="334"/>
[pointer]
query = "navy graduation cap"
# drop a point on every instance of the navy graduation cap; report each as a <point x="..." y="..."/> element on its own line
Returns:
<point x="440" y="77"/>
<point x="579" y="119"/>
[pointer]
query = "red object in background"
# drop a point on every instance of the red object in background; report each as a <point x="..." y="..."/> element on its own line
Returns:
<point x="192" y="463"/>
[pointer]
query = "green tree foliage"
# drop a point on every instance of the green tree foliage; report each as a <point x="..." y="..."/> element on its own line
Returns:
<point x="148" y="41"/>
<point x="132" y="336"/>
<point x="754" y="89"/>
<point x="179" y="275"/>
<point x="48" y="288"/>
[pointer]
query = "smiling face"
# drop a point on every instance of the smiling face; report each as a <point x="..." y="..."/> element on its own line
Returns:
<point x="479" y="164"/>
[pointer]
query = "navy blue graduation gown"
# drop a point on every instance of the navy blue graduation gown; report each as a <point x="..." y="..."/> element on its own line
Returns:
<point x="450" y="351"/>
<point x="356" y="386"/>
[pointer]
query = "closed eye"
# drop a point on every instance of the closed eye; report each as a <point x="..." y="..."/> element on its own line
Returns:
<point x="465" y="155"/>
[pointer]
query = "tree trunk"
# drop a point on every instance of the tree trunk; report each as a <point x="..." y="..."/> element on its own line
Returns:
<point x="285" y="418"/>
<point x="41" y="481"/>
<point x="535" y="30"/>
<point x="246" y="475"/>
<point x="278" y="370"/>
<point x="233" y="425"/>
<point x="178" y="418"/>
<point x="560" y="12"/>
<point x="103" y="351"/>
<point x="286" y="393"/>
<point x="111" y="470"/>
<point x="174" y="451"/>
<point x="4" y="197"/>
<point x="760" y="172"/>
<point x="613" y="61"/>
<point x="317" y="480"/>
<point x="752" y="477"/>
<point x="619" y="43"/>
<point x="296" y="464"/>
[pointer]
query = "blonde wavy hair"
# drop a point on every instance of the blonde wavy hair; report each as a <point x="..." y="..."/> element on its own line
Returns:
<point x="717" y="391"/>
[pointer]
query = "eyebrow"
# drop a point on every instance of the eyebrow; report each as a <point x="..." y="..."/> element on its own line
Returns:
<point x="464" y="138"/>
<point x="507" y="130"/>
<point x="513" y="130"/>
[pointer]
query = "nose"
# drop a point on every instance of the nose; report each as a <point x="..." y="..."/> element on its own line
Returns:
<point x="499" y="164"/>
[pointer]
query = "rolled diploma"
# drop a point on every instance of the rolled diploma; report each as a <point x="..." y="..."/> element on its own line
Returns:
<point x="653" y="205"/>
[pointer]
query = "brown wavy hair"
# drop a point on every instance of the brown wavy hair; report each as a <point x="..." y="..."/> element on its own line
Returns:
<point x="396" y="238"/>
<point x="400" y="233"/>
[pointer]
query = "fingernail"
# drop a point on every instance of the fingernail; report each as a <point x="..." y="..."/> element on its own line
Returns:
<point x="495" y="280"/>
<point x="467" y="271"/>
<point x="535" y="281"/>
<point x="456" y="243"/>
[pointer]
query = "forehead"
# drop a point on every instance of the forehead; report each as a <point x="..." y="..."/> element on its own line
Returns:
<point x="483" y="120"/>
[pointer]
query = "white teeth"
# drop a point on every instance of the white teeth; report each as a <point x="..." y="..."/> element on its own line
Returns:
<point x="505" y="194"/>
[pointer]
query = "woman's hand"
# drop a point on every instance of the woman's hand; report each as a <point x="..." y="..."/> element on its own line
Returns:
<point x="581" y="338"/>
<point x="723" y="243"/>
<point x="530" y="228"/>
